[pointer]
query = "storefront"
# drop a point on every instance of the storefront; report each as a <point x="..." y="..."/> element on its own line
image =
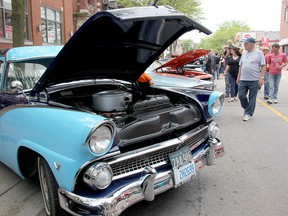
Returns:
<point x="284" y="45"/>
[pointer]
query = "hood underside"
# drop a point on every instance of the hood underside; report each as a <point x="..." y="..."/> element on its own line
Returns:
<point x="184" y="59"/>
<point x="117" y="44"/>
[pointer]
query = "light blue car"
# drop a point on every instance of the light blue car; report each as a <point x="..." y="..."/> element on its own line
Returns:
<point x="76" y="117"/>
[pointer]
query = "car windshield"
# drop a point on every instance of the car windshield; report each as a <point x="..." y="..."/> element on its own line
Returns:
<point x="27" y="73"/>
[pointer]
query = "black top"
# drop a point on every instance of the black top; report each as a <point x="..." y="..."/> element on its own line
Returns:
<point x="233" y="66"/>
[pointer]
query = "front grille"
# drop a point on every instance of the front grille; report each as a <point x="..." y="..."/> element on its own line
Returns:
<point x="132" y="163"/>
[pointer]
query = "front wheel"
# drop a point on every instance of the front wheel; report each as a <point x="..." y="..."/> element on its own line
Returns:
<point x="49" y="189"/>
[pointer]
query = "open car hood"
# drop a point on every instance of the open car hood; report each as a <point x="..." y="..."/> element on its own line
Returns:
<point x="117" y="44"/>
<point x="184" y="59"/>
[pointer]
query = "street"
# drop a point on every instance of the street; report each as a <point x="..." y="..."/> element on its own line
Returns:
<point x="250" y="180"/>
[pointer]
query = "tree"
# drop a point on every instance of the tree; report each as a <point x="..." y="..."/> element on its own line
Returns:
<point x="187" y="45"/>
<point x="226" y="31"/>
<point x="18" y="22"/>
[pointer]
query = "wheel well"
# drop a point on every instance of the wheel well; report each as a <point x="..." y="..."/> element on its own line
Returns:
<point x="28" y="162"/>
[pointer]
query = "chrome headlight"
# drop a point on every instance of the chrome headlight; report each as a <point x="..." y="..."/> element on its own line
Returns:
<point x="100" y="139"/>
<point x="213" y="130"/>
<point x="215" y="103"/>
<point x="98" y="176"/>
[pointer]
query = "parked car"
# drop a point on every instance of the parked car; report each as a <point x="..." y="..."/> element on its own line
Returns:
<point x="182" y="65"/>
<point x="163" y="79"/>
<point x="79" y="121"/>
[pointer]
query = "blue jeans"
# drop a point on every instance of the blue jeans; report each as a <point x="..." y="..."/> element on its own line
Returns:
<point x="248" y="103"/>
<point x="274" y="81"/>
<point x="216" y="71"/>
<point x="227" y="84"/>
<point x="233" y="85"/>
<point x="266" y="84"/>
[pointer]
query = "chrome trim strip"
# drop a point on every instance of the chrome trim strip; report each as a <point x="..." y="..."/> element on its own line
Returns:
<point x="159" y="146"/>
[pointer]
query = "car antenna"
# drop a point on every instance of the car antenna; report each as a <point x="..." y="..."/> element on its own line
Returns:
<point x="153" y="3"/>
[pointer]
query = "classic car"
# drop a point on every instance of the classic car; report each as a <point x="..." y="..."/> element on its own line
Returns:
<point x="161" y="79"/>
<point x="97" y="142"/>
<point x="178" y="65"/>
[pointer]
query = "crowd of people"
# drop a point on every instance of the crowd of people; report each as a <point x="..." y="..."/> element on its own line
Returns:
<point x="246" y="70"/>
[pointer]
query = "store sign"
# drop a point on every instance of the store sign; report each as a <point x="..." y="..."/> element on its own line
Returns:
<point x="248" y="34"/>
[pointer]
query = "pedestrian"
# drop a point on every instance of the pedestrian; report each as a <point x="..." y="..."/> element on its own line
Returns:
<point x="231" y="72"/>
<point x="228" y="45"/>
<point x="266" y="51"/>
<point x="227" y="55"/>
<point x="250" y="76"/>
<point x="222" y="64"/>
<point x="210" y="63"/>
<point x="275" y="61"/>
<point x="217" y="66"/>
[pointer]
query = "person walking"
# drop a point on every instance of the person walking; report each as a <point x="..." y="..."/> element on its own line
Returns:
<point x="210" y="63"/>
<point x="275" y="62"/>
<point x="250" y="76"/>
<point x="231" y="71"/>
<point x="266" y="51"/>
<point x="228" y="54"/>
<point x="217" y="67"/>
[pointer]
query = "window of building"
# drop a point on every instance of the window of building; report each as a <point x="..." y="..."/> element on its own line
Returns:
<point x="6" y="27"/>
<point x="51" y="25"/>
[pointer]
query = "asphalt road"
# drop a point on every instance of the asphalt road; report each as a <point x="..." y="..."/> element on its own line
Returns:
<point x="250" y="180"/>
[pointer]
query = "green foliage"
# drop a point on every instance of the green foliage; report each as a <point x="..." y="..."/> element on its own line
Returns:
<point x="219" y="38"/>
<point x="187" y="45"/>
<point x="191" y="8"/>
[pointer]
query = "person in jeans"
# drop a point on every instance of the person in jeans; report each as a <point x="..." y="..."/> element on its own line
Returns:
<point x="275" y="61"/>
<point x="228" y="54"/>
<point x="266" y="52"/>
<point x="217" y="67"/>
<point x="250" y="77"/>
<point x="231" y="71"/>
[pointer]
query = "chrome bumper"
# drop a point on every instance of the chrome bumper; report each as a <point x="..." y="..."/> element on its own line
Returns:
<point x="151" y="184"/>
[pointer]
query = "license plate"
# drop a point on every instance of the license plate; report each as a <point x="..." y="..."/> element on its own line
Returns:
<point x="183" y="166"/>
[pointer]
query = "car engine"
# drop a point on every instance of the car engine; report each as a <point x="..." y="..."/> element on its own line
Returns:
<point x="139" y="119"/>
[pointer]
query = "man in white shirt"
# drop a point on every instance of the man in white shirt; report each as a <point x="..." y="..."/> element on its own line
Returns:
<point x="250" y="77"/>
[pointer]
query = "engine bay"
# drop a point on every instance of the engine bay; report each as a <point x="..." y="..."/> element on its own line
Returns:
<point x="140" y="117"/>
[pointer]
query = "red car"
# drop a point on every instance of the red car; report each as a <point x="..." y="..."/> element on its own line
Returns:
<point x="182" y="65"/>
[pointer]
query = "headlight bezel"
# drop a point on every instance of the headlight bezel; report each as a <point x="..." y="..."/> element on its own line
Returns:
<point x="95" y="144"/>
<point x="215" y="103"/>
<point x="213" y="130"/>
<point x="91" y="176"/>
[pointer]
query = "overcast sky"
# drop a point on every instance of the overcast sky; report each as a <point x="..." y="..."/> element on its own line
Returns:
<point x="259" y="15"/>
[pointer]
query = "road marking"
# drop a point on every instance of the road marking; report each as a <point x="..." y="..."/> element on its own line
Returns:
<point x="285" y="118"/>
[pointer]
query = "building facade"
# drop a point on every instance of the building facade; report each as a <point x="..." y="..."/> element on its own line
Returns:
<point x="47" y="22"/>
<point x="263" y="38"/>
<point x="284" y="27"/>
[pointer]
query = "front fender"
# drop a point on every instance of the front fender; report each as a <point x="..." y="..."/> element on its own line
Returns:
<point x="56" y="134"/>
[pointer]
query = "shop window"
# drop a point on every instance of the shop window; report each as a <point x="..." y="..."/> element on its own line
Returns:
<point x="6" y="26"/>
<point x="51" y="26"/>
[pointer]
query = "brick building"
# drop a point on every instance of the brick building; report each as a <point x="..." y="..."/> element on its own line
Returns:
<point x="49" y="22"/>
<point x="284" y="27"/>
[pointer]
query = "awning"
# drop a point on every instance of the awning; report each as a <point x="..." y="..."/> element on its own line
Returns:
<point x="283" y="42"/>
